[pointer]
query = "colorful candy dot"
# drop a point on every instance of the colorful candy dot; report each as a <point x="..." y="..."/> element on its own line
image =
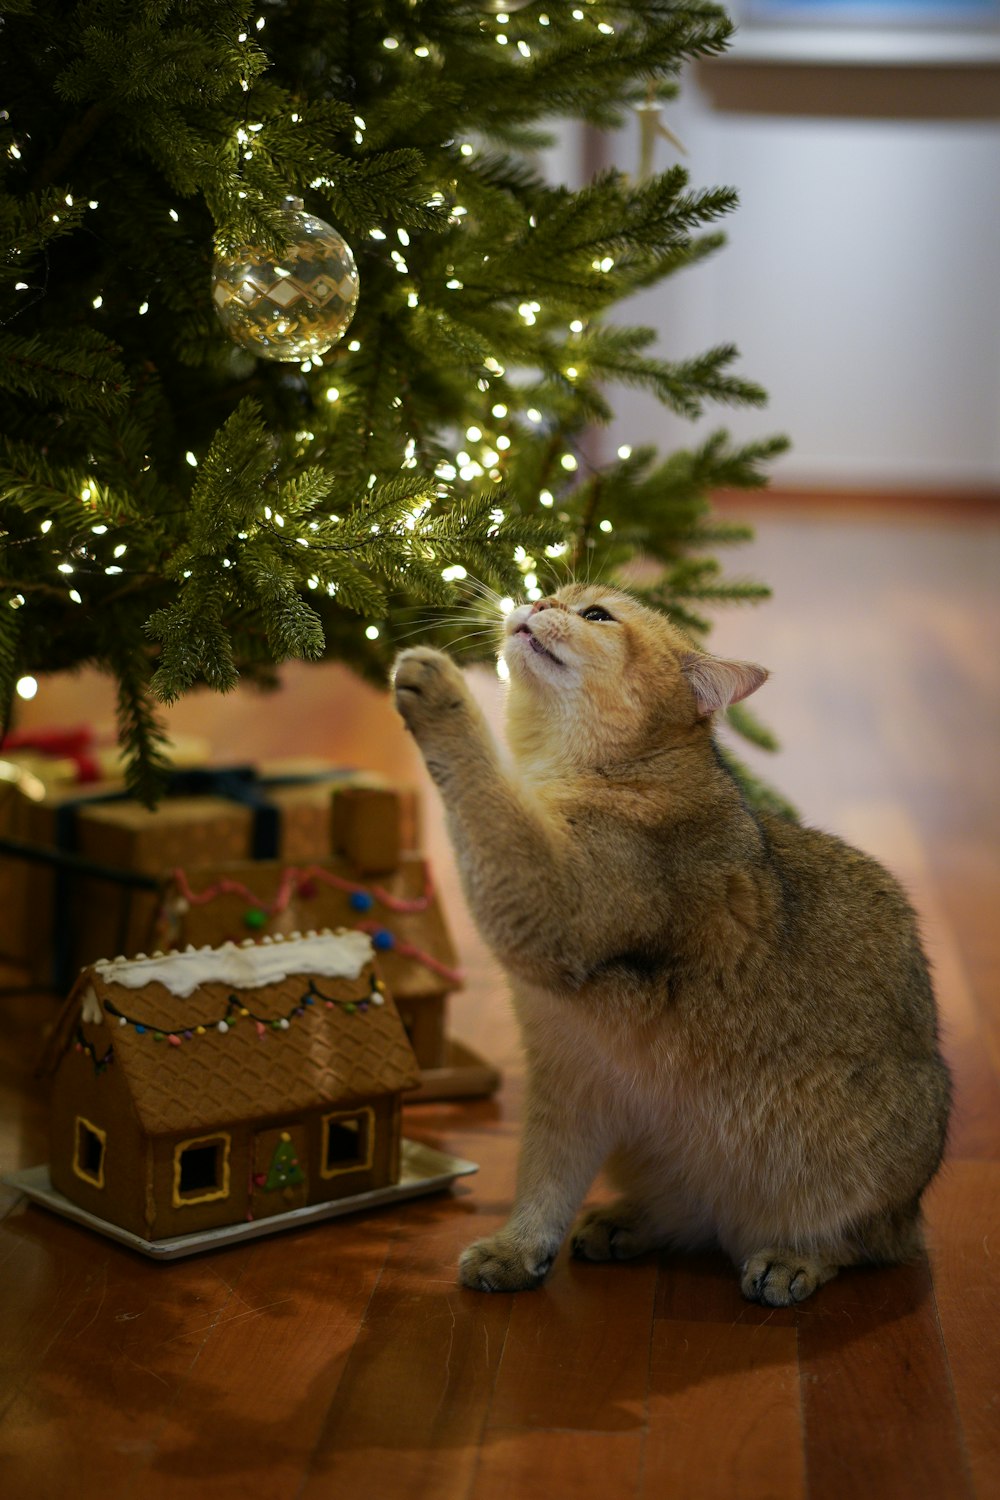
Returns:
<point x="383" y="940"/>
<point x="223" y="1026"/>
<point x="307" y="889"/>
<point x="159" y="1036"/>
<point x="140" y="1030"/>
<point x="350" y="1009"/>
<point x="361" y="901"/>
<point x="254" y="917"/>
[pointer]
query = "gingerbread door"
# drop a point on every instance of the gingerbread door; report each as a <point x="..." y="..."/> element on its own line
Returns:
<point x="279" y="1180"/>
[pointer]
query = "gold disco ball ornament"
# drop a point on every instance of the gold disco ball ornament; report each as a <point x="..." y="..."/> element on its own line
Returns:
<point x="293" y="308"/>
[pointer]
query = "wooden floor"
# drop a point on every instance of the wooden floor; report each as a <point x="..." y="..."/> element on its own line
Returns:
<point x="344" y="1360"/>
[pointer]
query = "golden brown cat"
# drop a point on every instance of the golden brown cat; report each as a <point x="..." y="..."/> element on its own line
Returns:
<point x="729" y="1012"/>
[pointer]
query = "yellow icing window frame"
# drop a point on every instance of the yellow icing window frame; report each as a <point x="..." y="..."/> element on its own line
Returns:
<point x="365" y="1113"/>
<point x="187" y="1200"/>
<point x="102" y="1136"/>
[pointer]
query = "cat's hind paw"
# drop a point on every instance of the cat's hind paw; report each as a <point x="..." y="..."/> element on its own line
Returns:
<point x="612" y="1233"/>
<point x="782" y="1278"/>
<point x="501" y="1264"/>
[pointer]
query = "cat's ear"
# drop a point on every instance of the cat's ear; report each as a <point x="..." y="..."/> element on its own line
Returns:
<point x="717" y="683"/>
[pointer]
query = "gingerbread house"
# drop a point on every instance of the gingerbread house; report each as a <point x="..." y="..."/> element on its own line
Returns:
<point x="397" y="907"/>
<point x="212" y="1086"/>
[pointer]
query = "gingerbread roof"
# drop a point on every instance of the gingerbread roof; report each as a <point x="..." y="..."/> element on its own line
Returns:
<point x="233" y="1049"/>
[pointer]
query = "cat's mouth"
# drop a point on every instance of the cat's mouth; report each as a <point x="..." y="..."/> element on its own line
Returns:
<point x="536" y="645"/>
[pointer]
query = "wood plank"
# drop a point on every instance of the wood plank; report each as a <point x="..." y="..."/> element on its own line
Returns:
<point x="408" y="1417"/>
<point x="263" y="1377"/>
<point x="880" y="1414"/>
<point x="577" y="1351"/>
<point x="104" y="1342"/>
<point x="526" y="1464"/>
<point x="724" y="1413"/>
<point x="963" y="1212"/>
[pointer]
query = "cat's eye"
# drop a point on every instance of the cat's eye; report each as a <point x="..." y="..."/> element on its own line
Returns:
<point x="595" y="612"/>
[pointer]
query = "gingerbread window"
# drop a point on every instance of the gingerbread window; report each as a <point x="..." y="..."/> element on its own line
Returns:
<point x="88" y="1156"/>
<point x="201" y="1169"/>
<point x="348" y="1142"/>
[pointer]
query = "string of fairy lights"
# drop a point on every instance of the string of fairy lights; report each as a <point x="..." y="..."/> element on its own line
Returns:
<point x="485" y="448"/>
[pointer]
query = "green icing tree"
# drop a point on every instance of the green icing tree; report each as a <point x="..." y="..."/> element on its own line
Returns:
<point x="181" y="511"/>
<point x="284" y="1170"/>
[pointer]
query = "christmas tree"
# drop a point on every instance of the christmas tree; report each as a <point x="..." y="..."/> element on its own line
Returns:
<point x="186" y="499"/>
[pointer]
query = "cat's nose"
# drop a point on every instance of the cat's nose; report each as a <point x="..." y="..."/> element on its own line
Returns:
<point x="546" y="604"/>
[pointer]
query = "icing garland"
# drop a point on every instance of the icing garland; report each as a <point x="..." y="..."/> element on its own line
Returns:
<point x="82" y="1045"/>
<point x="237" y="1011"/>
<point x="302" y="882"/>
<point x="296" y="882"/>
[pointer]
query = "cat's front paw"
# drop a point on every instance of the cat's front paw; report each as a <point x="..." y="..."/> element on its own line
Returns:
<point x="503" y="1264"/>
<point x="428" y="686"/>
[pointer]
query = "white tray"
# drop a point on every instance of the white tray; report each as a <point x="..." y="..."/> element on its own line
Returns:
<point x="424" y="1170"/>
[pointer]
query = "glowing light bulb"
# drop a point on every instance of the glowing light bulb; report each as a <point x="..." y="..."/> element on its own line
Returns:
<point x="625" y="451"/>
<point x="27" y="687"/>
<point x="372" y="632"/>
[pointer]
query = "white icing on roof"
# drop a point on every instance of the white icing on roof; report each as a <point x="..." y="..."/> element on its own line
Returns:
<point x="335" y="955"/>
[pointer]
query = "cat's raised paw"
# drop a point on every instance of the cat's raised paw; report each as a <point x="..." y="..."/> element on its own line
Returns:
<point x="427" y="684"/>
<point x="781" y="1278"/>
<point x="611" y="1233"/>
<point x="500" y="1264"/>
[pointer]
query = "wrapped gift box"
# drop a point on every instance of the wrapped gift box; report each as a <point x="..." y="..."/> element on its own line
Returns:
<point x="55" y="920"/>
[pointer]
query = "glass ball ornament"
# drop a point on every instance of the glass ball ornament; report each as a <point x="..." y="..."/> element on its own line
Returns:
<point x="291" y="308"/>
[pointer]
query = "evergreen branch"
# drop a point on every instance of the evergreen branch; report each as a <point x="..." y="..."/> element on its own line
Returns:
<point x="81" y="370"/>
<point x="747" y="724"/>
<point x="140" y="732"/>
<point x="9" y="655"/>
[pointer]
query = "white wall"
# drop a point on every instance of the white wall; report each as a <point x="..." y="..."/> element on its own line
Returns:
<point x="861" y="281"/>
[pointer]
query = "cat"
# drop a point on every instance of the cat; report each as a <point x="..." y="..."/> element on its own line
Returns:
<point x="727" y="1011"/>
